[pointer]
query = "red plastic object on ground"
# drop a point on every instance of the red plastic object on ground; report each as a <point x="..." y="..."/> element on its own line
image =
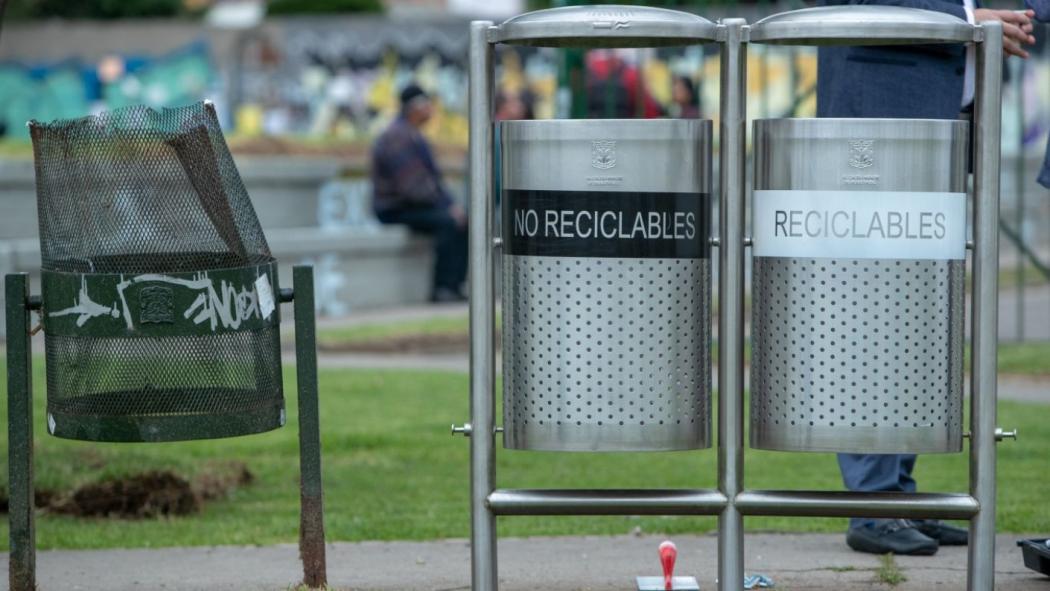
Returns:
<point x="668" y="554"/>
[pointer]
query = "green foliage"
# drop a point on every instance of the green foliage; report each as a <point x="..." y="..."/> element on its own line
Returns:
<point x="95" y="9"/>
<point x="281" y="7"/>
<point x="889" y="573"/>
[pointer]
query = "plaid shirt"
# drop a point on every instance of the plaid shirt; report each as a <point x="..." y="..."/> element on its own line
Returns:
<point x="404" y="174"/>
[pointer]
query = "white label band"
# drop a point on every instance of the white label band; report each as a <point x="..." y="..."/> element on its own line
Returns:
<point x="860" y="225"/>
<point x="265" y="293"/>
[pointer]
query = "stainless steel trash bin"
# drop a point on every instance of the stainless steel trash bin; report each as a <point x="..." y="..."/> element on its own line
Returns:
<point x="859" y="247"/>
<point x="606" y="284"/>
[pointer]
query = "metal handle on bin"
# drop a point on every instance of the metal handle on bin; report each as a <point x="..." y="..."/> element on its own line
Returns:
<point x="862" y="25"/>
<point x="604" y="26"/>
<point x="464" y="430"/>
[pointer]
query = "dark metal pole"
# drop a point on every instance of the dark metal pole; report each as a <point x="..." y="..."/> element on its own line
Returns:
<point x="311" y="522"/>
<point x="22" y="567"/>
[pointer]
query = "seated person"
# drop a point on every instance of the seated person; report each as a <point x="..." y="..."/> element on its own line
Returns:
<point x="408" y="189"/>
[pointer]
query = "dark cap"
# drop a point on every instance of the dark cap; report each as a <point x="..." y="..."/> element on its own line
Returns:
<point x="410" y="93"/>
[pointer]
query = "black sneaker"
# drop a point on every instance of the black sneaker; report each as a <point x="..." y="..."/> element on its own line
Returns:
<point x="891" y="536"/>
<point x="945" y="534"/>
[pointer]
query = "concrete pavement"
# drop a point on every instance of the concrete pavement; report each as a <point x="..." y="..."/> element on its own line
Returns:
<point x="794" y="561"/>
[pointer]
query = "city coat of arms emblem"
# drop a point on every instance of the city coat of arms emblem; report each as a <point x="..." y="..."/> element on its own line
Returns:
<point x="603" y="154"/>
<point x="158" y="305"/>
<point x="861" y="153"/>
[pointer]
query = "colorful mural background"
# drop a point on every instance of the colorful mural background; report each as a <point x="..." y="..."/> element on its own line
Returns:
<point x="338" y="81"/>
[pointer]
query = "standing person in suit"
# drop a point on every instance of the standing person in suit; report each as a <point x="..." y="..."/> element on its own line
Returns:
<point x="1041" y="10"/>
<point x="909" y="82"/>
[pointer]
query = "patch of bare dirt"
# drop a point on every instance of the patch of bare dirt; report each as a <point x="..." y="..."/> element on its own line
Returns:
<point x="42" y="498"/>
<point x="150" y="494"/>
<point x="157" y="493"/>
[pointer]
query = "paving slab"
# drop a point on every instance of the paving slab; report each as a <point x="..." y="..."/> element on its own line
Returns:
<point x="794" y="561"/>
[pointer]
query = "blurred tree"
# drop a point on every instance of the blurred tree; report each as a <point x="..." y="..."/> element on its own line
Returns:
<point x="97" y="9"/>
<point x="276" y="7"/>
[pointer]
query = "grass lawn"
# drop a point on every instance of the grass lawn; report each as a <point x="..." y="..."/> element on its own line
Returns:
<point x="1025" y="358"/>
<point x="1014" y="358"/>
<point x="436" y="325"/>
<point x="392" y="471"/>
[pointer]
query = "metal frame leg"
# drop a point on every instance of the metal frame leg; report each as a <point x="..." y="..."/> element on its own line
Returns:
<point x="988" y="101"/>
<point x="311" y="517"/>
<point x="731" y="306"/>
<point x="22" y="566"/>
<point x="482" y="315"/>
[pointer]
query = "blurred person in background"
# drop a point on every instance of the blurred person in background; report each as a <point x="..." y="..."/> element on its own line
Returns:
<point x="615" y="89"/>
<point x="684" y="99"/>
<point x="408" y="189"/>
<point x="905" y="82"/>
<point x="511" y="104"/>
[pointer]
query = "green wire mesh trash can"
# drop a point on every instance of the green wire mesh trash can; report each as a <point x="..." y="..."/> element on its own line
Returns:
<point x="158" y="287"/>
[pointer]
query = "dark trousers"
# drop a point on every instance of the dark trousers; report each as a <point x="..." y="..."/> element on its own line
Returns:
<point x="450" y="241"/>
<point x="876" y="473"/>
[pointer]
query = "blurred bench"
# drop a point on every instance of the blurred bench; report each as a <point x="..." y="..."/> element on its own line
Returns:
<point x="311" y="213"/>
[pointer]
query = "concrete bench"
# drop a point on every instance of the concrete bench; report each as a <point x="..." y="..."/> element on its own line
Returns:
<point x="354" y="269"/>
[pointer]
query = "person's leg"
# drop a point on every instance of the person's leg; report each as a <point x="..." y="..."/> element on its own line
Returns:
<point x="438" y="223"/>
<point x="460" y="251"/>
<point x="873" y="473"/>
<point x="905" y="482"/>
<point x="882" y="473"/>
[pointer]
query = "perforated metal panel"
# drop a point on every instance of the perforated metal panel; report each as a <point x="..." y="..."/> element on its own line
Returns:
<point x="858" y="354"/>
<point x="606" y="341"/>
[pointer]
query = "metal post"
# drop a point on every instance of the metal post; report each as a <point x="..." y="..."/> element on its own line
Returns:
<point x="987" y="122"/>
<point x="731" y="305"/>
<point x="482" y="314"/>
<point x="311" y="520"/>
<point x="22" y="566"/>
<point x="1019" y="182"/>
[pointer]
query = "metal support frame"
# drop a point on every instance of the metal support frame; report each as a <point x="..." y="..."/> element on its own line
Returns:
<point x="22" y="566"/>
<point x="311" y="507"/>
<point x="482" y="315"/>
<point x="486" y="501"/>
<point x="732" y="152"/>
<point x="731" y="502"/>
<point x="19" y="304"/>
<point x="987" y="120"/>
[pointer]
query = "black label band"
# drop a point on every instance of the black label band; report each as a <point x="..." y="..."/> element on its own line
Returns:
<point x="606" y="224"/>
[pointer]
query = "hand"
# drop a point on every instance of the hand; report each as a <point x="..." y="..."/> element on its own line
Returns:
<point x="1017" y="28"/>
<point x="458" y="214"/>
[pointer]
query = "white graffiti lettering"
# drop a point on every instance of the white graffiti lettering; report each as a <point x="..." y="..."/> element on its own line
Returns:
<point x="85" y="308"/>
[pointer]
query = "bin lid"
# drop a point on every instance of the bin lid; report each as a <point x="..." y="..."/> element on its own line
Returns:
<point x="861" y="25"/>
<point x="605" y="26"/>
